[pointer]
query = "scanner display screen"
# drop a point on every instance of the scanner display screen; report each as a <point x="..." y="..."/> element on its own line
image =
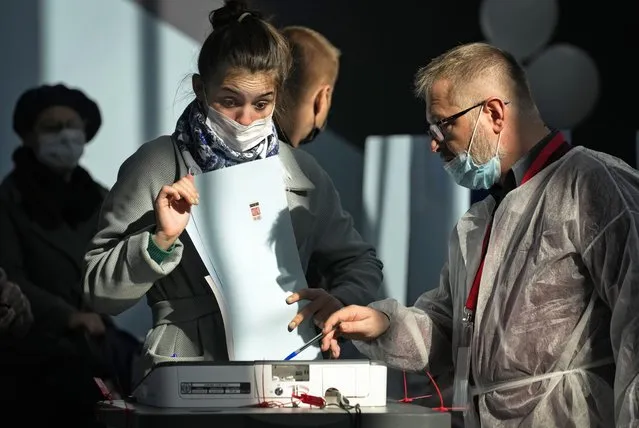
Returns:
<point x="290" y="372"/>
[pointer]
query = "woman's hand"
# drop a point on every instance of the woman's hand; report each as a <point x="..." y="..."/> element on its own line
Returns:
<point x="173" y="209"/>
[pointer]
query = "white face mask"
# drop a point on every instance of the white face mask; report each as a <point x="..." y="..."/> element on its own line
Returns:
<point x="61" y="150"/>
<point x="238" y="137"/>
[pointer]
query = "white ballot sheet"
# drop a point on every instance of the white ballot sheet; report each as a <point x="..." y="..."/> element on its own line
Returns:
<point x="243" y="232"/>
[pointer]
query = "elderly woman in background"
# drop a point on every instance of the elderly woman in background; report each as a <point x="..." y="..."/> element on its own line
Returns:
<point x="49" y="208"/>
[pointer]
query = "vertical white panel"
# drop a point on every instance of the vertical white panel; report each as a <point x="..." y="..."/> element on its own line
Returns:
<point x="386" y="207"/>
<point x="436" y="202"/>
<point x="93" y="45"/>
<point x="410" y="206"/>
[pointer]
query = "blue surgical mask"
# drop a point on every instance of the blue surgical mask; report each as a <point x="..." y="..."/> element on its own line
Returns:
<point x="467" y="173"/>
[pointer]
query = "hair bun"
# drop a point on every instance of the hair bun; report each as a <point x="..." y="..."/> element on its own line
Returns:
<point x="230" y="13"/>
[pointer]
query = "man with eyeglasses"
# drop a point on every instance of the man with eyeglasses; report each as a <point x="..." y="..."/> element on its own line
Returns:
<point x="537" y="308"/>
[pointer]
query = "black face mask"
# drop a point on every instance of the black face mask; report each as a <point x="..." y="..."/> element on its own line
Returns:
<point x="311" y="135"/>
<point x="309" y="138"/>
<point x="314" y="132"/>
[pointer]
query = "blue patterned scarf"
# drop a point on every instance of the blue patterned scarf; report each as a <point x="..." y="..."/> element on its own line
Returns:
<point x="207" y="149"/>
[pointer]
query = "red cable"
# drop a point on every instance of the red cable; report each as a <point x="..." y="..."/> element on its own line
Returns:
<point x="310" y="399"/>
<point x="441" y="407"/>
<point x="406" y="398"/>
<point x="405" y="385"/>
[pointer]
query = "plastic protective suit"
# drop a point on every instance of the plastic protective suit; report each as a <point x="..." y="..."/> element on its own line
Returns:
<point x="556" y="331"/>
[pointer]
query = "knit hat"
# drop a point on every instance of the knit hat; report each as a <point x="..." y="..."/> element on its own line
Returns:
<point x="34" y="101"/>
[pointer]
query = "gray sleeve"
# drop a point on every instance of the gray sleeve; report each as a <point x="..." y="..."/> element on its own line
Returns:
<point x="349" y="264"/>
<point x="612" y="258"/>
<point x="419" y="337"/>
<point x="118" y="268"/>
<point x="607" y="202"/>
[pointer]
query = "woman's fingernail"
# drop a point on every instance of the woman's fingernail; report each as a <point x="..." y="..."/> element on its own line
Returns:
<point x="291" y="326"/>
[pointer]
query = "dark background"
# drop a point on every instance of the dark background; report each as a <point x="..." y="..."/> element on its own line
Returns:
<point x="382" y="47"/>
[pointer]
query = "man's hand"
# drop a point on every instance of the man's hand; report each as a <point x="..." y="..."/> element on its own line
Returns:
<point x="89" y="321"/>
<point x="353" y="322"/>
<point x="322" y="305"/>
<point x="15" y="310"/>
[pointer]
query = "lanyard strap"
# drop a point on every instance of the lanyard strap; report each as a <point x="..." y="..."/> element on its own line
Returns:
<point x="558" y="147"/>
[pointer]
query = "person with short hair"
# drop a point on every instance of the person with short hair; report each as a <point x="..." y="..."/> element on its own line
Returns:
<point x="308" y="93"/>
<point x="535" y="310"/>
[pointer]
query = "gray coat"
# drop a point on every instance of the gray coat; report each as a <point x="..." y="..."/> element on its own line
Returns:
<point x="186" y="319"/>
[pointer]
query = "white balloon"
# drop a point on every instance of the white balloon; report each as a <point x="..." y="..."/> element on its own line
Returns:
<point x="520" y="27"/>
<point x="565" y="85"/>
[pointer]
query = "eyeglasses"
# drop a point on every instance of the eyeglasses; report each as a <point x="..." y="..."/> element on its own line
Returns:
<point x="435" y="130"/>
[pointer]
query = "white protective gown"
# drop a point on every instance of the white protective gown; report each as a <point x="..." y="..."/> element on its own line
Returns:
<point x="556" y="333"/>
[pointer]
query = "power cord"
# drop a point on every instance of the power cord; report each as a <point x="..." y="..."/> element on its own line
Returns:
<point x="333" y="397"/>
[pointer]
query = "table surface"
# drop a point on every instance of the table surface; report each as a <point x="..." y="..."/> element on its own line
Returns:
<point x="121" y="414"/>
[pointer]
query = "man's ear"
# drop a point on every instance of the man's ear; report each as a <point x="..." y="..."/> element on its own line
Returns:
<point x="497" y="109"/>
<point x="322" y="102"/>
<point x="329" y="95"/>
<point x="198" y="87"/>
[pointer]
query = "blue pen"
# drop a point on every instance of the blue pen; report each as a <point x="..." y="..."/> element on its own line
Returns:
<point x="307" y="344"/>
<point x="304" y="346"/>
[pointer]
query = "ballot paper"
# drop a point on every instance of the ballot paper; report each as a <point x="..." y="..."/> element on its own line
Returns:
<point x="243" y="233"/>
